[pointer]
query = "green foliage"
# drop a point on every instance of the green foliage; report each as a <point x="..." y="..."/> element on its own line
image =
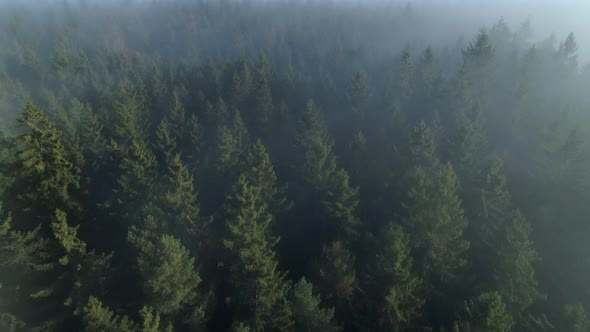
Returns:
<point x="228" y="153"/>
<point x="432" y="209"/>
<point x="129" y="115"/>
<point x="335" y="275"/>
<point x="92" y="140"/>
<point x="166" y="140"/>
<point x="486" y="312"/>
<point x="9" y="323"/>
<point x="576" y="317"/>
<point x="261" y="287"/>
<point x="98" y="318"/>
<point x="181" y="203"/>
<point x="308" y="314"/>
<point x="260" y="172"/>
<point x="320" y="162"/>
<point x="47" y="174"/>
<point x="391" y="285"/>
<point x="168" y="274"/>
<point x="357" y="91"/>
<point x="341" y="207"/>
<point x="141" y="133"/>
<point x="137" y="173"/>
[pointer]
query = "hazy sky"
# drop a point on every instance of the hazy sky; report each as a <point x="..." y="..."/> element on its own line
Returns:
<point x="547" y="16"/>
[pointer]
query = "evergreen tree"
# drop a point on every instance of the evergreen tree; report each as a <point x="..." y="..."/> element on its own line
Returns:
<point x="319" y="161"/>
<point x="335" y="274"/>
<point x="486" y="312"/>
<point x="308" y="315"/>
<point x="576" y="318"/>
<point x="181" y="204"/>
<point x="193" y="143"/>
<point x="392" y="288"/>
<point x="130" y="120"/>
<point x="165" y="141"/>
<point x="432" y="209"/>
<point x="357" y="92"/>
<point x="17" y="260"/>
<point x="137" y="171"/>
<point x="45" y="177"/>
<point x="260" y="288"/>
<point x="98" y="318"/>
<point x="169" y="278"/>
<point x="92" y="139"/>
<point x="228" y="153"/>
<point x="260" y="172"/>
<point x="341" y="207"/>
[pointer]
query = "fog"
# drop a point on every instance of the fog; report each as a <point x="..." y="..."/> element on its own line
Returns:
<point x="294" y="165"/>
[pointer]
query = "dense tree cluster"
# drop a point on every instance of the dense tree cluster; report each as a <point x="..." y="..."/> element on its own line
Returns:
<point x="232" y="166"/>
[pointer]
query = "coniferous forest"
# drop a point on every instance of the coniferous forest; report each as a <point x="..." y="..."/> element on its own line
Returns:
<point x="289" y="166"/>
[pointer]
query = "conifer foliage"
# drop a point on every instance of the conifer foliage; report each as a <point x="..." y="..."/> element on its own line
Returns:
<point x="308" y="166"/>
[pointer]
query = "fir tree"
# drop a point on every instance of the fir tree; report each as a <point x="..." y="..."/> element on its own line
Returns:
<point x="486" y="312"/>
<point x="46" y="176"/>
<point x="260" y="288"/>
<point x="307" y="311"/>
<point x="392" y="288"/>
<point x="432" y="209"/>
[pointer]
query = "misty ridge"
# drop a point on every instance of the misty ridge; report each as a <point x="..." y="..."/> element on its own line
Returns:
<point x="294" y="165"/>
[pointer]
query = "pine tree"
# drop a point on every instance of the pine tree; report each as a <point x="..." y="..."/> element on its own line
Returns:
<point x="170" y="281"/>
<point x="240" y="132"/>
<point x="92" y="139"/>
<point x="233" y="142"/>
<point x="406" y="83"/>
<point x="7" y="160"/>
<point x="341" y="207"/>
<point x="228" y="153"/>
<point x="432" y="209"/>
<point x="166" y="143"/>
<point x="193" y="142"/>
<point x="486" y="312"/>
<point x="17" y="262"/>
<point x="99" y="318"/>
<point x="357" y="92"/>
<point x="260" y="172"/>
<point x="242" y="81"/>
<point x="319" y="162"/>
<point x="260" y="288"/>
<point x="335" y="274"/>
<point x="576" y="318"/>
<point x="391" y="286"/>
<point x="181" y="204"/>
<point x="137" y="175"/>
<point x="130" y="120"/>
<point x="46" y="176"/>
<point x="503" y="255"/>
<point x="85" y="270"/>
<point x="308" y="314"/>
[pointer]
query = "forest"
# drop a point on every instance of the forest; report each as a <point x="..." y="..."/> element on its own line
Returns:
<point x="308" y="166"/>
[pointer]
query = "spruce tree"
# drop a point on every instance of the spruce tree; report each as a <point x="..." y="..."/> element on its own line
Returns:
<point x="260" y="288"/>
<point x="335" y="274"/>
<point x="181" y="206"/>
<point x="308" y="314"/>
<point x="486" y="312"/>
<point x="432" y="209"/>
<point x="392" y="288"/>
<point x="170" y="281"/>
<point x="45" y="175"/>
<point x="260" y="172"/>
